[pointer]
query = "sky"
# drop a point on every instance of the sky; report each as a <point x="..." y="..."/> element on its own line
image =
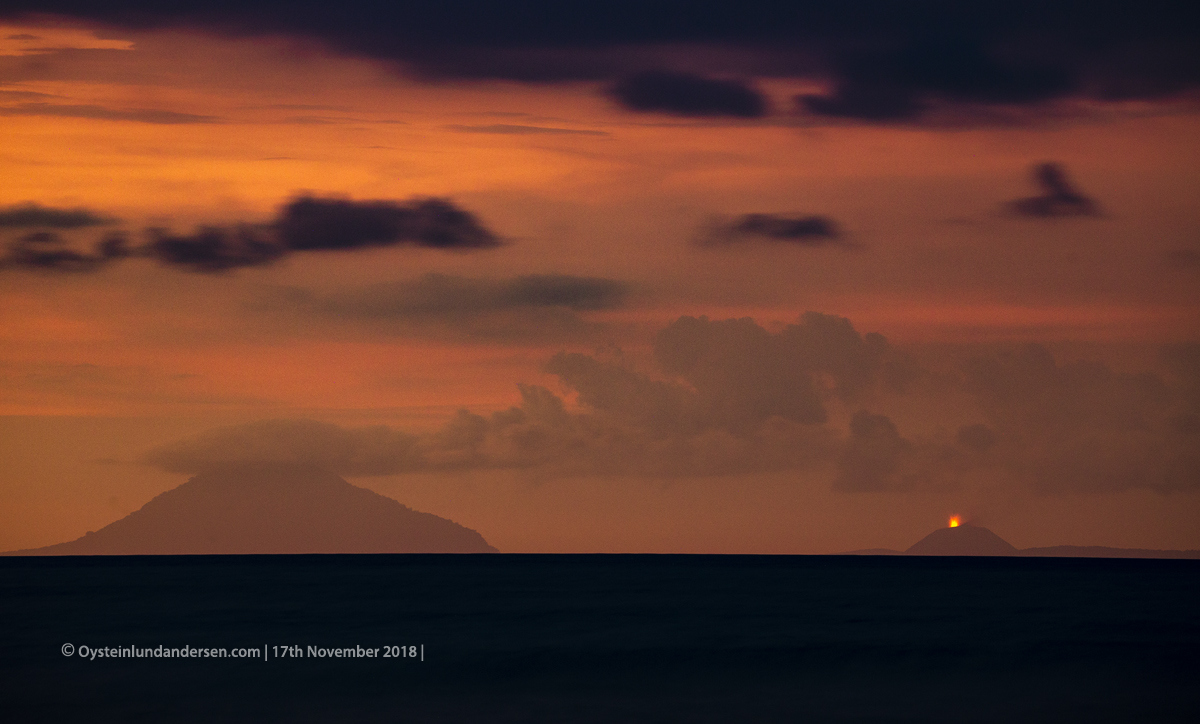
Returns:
<point x="610" y="277"/>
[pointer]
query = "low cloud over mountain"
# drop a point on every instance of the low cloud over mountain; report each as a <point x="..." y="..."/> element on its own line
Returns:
<point x="729" y="397"/>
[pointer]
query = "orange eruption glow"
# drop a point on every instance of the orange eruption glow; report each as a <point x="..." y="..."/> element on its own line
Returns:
<point x="954" y="521"/>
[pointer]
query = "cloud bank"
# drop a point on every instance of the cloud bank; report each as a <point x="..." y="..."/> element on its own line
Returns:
<point x="730" y="398"/>
<point x="684" y="94"/>
<point x="305" y="224"/>
<point x="877" y="61"/>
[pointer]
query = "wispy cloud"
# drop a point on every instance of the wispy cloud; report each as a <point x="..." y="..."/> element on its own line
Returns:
<point x="507" y="129"/>
<point x="138" y="115"/>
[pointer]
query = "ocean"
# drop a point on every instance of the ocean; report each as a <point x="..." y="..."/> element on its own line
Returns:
<point x="599" y="638"/>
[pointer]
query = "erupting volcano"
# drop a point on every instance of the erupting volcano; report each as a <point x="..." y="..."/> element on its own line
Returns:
<point x="962" y="540"/>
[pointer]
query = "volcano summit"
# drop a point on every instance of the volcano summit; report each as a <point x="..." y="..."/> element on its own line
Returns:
<point x="272" y="508"/>
<point x="962" y="540"/>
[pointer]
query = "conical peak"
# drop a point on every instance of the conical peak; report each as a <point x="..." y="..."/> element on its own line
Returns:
<point x="962" y="540"/>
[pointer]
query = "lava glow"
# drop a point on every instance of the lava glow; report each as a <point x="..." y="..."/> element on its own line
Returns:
<point x="954" y="521"/>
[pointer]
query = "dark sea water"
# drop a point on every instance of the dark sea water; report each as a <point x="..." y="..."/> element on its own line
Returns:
<point x="606" y="638"/>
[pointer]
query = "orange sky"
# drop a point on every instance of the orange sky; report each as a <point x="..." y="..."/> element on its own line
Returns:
<point x="96" y="369"/>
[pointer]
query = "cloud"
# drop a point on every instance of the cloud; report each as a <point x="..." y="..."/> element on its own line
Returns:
<point x="901" y="84"/>
<point x="683" y="94"/>
<point x="140" y="115"/>
<point x="305" y="224"/>
<point x="728" y="397"/>
<point x="873" y="455"/>
<point x="865" y="102"/>
<point x="797" y="230"/>
<point x="1082" y="426"/>
<point x="13" y="95"/>
<point x="441" y="295"/>
<point x="310" y="224"/>
<point x="214" y="249"/>
<point x="49" y="252"/>
<point x="1058" y="198"/>
<point x="538" y="306"/>
<point x="882" y="62"/>
<point x="506" y="129"/>
<point x="32" y="215"/>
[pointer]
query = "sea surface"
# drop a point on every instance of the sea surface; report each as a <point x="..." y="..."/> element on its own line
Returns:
<point x="600" y="638"/>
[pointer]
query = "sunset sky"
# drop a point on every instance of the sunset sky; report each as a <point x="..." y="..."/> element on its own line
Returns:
<point x="610" y="277"/>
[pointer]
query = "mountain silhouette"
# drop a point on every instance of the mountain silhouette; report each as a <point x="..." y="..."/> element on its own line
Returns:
<point x="272" y="508"/>
<point x="964" y="540"/>
<point x="1106" y="552"/>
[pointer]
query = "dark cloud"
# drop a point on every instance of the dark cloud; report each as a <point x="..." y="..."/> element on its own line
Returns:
<point x="865" y="102"/>
<point x="48" y="251"/>
<point x="798" y="230"/>
<point x="34" y="216"/>
<point x="902" y="84"/>
<point x="1058" y="198"/>
<point x="305" y="224"/>
<point x="310" y="224"/>
<point x="882" y="61"/>
<point x="214" y="249"/>
<point x="506" y="129"/>
<point x="683" y="94"/>
<point x="140" y="115"/>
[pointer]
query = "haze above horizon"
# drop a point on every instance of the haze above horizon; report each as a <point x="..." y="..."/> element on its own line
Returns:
<point x="610" y="279"/>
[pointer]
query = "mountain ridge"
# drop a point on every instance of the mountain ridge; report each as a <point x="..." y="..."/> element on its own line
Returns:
<point x="273" y="509"/>
<point x="973" y="540"/>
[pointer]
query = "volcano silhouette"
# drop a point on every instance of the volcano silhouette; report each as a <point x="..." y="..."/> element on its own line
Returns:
<point x="964" y="540"/>
<point x="272" y="508"/>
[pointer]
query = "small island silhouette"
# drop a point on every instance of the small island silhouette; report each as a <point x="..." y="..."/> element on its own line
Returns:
<point x="260" y="508"/>
<point x="973" y="540"/>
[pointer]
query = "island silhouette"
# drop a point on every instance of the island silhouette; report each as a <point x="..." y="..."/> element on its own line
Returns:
<point x="272" y="508"/>
<point x="966" y="539"/>
<point x="962" y="540"/>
